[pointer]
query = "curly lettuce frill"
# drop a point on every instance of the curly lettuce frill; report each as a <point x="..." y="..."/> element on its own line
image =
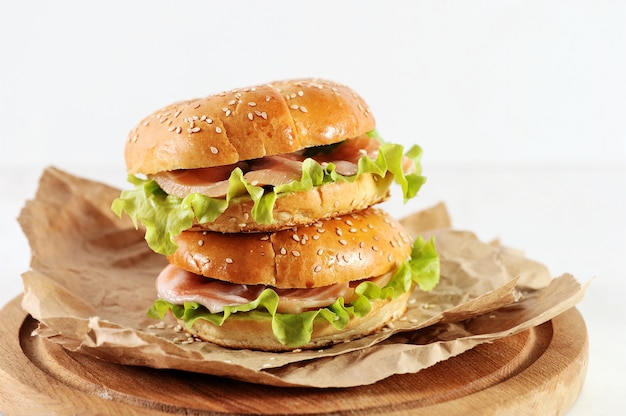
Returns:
<point x="166" y="216"/>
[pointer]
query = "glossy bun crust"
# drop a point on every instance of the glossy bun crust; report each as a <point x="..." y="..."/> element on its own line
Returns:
<point x="352" y="247"/>
<point x="246" y="123"/>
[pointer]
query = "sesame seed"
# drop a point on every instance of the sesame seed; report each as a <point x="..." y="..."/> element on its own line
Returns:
<point x="348" y="222"/>
<point x="362" y="244"/>
<point x="339" y="232"/>
<point x="214" y="150"/>
<point x="294" y="107"/>
<point x="196" y="106"/>
<point x="179" y="130"/>
<point x="171" y="128"/>
<point x="218" y="130"/>
<point x="227" y="113"/>
<point x="209" y="121"/>
<point x="317" y="268"/>
<point x="293" y="95"/>
<point x="303" y="109"/>
<point x="295" y="253"/>
<point x="353" y="230"/>
<point x="283" y="251"/>
<point x="267" y="98"/>
<point x="315" y="237"/>
<point x="343" y="242"/>
<point x="295" y="237"/>
<point x="264" y="115"/>
<point x="374" y="248"/>
<point x="232" y="102"/>
<point x="300" y="93"/>
<point x="252" y="104"/>
<point x="194" y="130"/>
<point x="250" y="116"/>
<point x="200" y="243"/>
<point x="265" y="237"/>
<point x="320" y="251"/>
<point x="229" y="260"/>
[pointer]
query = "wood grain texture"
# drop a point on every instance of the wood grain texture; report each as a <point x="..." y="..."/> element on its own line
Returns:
<point x="539" y="371"/>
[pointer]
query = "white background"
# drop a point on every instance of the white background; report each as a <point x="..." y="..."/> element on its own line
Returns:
<point x="520" y="107"/>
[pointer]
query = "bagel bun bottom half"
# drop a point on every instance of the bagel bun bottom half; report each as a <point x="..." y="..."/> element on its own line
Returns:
<point x="243" y="332"/>
<point x="302" y="208"/>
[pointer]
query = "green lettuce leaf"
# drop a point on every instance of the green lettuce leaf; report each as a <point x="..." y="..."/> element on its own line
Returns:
<point x="166" y="216"/>
<point x="294" y="330"/>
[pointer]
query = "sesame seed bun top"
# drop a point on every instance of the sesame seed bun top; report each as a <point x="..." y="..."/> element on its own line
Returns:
<point x="246" y="123"/>
<point x="355" y="246"/>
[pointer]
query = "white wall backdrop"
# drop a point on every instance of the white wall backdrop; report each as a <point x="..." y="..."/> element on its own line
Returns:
<point x="514" y="81"/>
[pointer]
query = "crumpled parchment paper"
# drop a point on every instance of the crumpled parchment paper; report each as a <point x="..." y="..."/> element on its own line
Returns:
<point x="92" y="280"/>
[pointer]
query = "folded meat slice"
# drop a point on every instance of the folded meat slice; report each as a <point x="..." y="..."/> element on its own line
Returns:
<point x="273" y="170"/>
<point x="211" y="181"/>
<point x="178" y="286"/>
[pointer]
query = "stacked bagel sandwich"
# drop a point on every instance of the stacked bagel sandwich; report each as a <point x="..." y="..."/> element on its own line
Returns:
<point x="262" y="199"/>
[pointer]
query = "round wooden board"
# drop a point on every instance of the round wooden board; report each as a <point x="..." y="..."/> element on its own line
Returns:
<point x="539" y="371"/>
